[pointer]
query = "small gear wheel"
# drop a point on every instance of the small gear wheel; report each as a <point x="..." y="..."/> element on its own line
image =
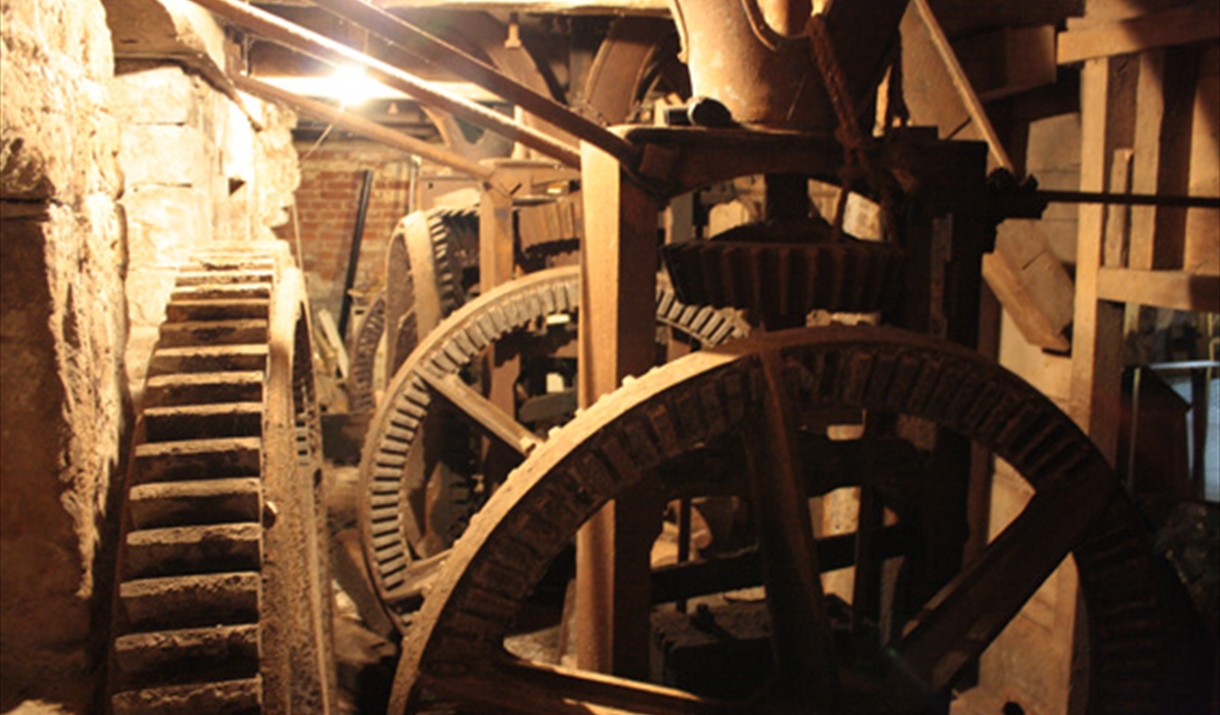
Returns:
<point x="782" y="270"/>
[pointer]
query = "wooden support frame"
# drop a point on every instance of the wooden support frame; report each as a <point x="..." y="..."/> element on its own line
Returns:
<point x="1096" y="363"/>
<point x="1197" y="22"/>
<point x="616" y="339"/>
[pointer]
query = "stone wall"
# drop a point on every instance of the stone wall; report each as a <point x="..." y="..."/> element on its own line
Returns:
<point x="62" y="330"/>
<point x="111" y="171"/>
<point x="197" y="172"/>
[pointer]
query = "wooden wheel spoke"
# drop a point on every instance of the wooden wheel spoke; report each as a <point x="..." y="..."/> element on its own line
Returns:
<point x="512" y="685"/>
<point x="801" y="637"/>
<point x="958" y="624"/>
<point x="484" y="413"/>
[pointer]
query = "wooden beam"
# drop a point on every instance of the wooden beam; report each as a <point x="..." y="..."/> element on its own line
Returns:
<point x="1097" y="359"/>
<point x="617" y="338"/>
<point x="1199" y="22"/>
<point x="974" y="107"/>
<point x="1177" y="290"/>
<point x="363" y="127"/>
<point x="420" y="43"/>
<point x="273" y="28"/>
<point x="656" y="8"/>
<point x="1031" y="284"/>
<point x="1009" y="60"/>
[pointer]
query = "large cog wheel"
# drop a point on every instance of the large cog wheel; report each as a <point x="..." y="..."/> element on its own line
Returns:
<point x="223" y="588"/>
<point x="394" y="513"/>
<point x="748" y="392"/>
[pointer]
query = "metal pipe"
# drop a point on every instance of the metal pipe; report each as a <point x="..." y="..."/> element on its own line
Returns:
<point x="422" y="44"/>
<point x="310" y="43"/>
<point x="364" y="127"/>
<point x="1098" y="197"/>
<point x="353" y="254"/>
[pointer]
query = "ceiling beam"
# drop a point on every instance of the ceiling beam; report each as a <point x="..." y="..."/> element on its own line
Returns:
<point x="363" y="127"/>
<point x="273" y="28"/>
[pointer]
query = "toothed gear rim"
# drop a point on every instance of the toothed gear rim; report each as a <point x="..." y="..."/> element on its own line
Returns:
<point x="455" y="648"/>
<point x="764" y="267"/>
<point x="361" y="387"/>
<point x="222" y="602"/>
<point x="427" y="259"/>
<point x="390" y="524"/>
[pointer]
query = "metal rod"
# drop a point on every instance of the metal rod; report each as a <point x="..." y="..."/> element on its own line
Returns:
<point x="433" y="49"/>
<point x="1099" y="197"/>
<point x="310" y="43"/>
<point x="359" y="125"/>
<point x="684" y="534"/>
<point x="353" y="255"/>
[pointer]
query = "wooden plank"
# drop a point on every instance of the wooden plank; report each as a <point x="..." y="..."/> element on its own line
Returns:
<point x="616" y="338"/>
<point x="1033" y="322"/>
<point x="1177" y="290"/>
<point x="1097" y="12"/>
<point x="961" y="83"/>
<point x="1118" y="218"/>
<point x="496" y="267"/>
<point x="1180" y="78"/>
<point x="1202" y="253"/>
<point x="1199" y="22"/>
<point x="1009" y="60"/>
<point x="1149" y="116"/>
<point x="1097" y="327"/>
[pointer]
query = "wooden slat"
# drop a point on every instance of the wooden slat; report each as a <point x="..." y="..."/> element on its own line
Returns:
<point x="1177" y="290"/>
<point x="1199" y="22"/>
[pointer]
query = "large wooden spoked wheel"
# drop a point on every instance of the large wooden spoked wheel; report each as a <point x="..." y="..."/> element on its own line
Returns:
<point x="400" y="510"/>
<point x="749" y="391"/>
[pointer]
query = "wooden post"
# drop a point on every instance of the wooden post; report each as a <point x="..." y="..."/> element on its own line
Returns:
<point x="616" y="339"/>
<point x="496" y="268"/>
<point x="1097" y="331"/>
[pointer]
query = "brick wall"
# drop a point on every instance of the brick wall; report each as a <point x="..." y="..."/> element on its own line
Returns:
<point x="327" y="202"/>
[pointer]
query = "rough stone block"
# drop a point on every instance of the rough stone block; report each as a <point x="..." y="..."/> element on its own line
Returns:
<point x="53" y="70"/>
<point x="166" y="155"/>
<point x="152" y="93"/>
<point x="165" y="223"/>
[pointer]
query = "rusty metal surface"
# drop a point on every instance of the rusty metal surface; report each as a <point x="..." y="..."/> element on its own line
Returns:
<point x="223" y="585"/>
<point x="456" y="646"/>
<point x="781" y="272"/>
<point x="770" y="81"/>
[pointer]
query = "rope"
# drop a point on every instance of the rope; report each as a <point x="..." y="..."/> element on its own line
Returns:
<point x="856" y="163"/>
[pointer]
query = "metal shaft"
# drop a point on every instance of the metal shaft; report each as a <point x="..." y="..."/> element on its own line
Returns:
<point x="423" y="44"/>
<point x="310" y="43"/>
